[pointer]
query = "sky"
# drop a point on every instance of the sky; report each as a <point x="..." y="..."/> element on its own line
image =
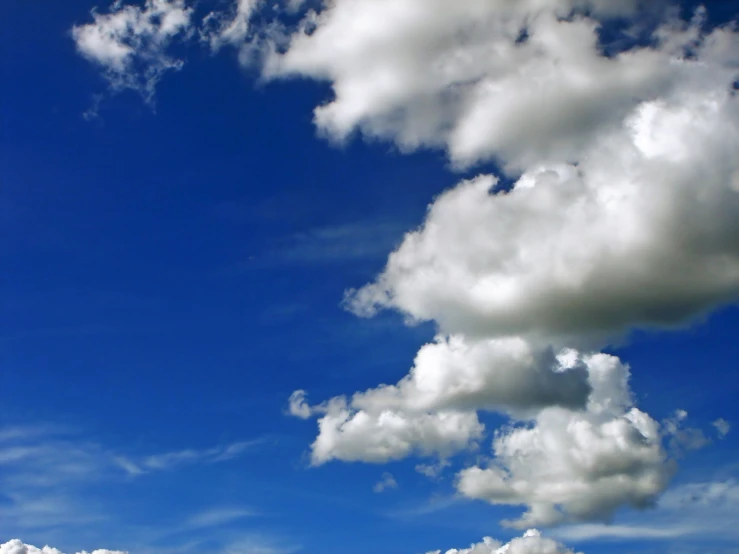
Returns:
<point x="369" y="276"/>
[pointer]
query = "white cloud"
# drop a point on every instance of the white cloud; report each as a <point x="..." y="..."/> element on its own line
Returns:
<point x="353" y="435"/>
<point x="722" y="427"/>
<point x="456" y="74"/>
<point x="386" y="482"/>
<point x="531" y="542"/>
<point x="625" y="215"/>
<point x="130" y="43"/>
<point x="16" y="546"/>
<point x="454" y="373"/>
<point x="576" y="465"/>
<point x="298" y="405"/>
<point x="625" y="238"/>
<point x="221" y="29"/>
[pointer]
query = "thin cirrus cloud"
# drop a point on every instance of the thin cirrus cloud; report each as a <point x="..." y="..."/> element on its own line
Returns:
<point x="46" y="473"/>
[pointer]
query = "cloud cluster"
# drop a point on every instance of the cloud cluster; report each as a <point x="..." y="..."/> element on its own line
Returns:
<point x="130" y="43"/>
<point x="641" y="232"/>
<point x="623" y="214"/>
<point x="530" y="543"/>
<point x="521" y="82"/>
<point x="16" y="546"/>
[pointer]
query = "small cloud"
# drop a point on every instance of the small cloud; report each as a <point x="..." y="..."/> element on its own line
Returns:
<point x="386" y="482"/>
<point x="130" y="43"/>
<point x="683" y="439"/>
<point x="298" y="406"/>
<point x="433" y="471"/>
<point x="722" y="426"/>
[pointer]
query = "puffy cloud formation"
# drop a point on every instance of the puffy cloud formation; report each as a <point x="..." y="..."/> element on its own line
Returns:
<point x="522" y="82"/>
<point x="531" y="543"/>
<point x="351" y="435"/>
<point x="643" y="231"/>
<point x="634" y="224"/>
<point x="568" y="465"/>
<point x="130" y="43"/>
<point x="16" y="546"/>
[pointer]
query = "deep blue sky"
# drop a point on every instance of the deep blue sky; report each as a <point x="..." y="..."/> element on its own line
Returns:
<point x="170" y="277"/>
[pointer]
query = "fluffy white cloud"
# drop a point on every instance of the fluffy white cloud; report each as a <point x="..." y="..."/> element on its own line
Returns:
<point x="576" y="465"/>
<point x="643" y="231"/>
<point x="16" y="546"/>
<point x="458" y="75"/>
<point x="433" y="409"/>
<point x="531" y="543"/>
<point x="351" y="435"/>
<point x="130" y="43"/>
<point x="454" y="373"/>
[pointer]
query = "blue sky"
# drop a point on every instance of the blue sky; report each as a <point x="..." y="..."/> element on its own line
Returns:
<point x="176" y="266"/>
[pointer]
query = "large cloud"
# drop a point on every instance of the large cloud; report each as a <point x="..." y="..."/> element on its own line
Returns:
<point x="482" y="79"/>
<point x="531" y="543"/>
<point x="16" y="546"/>
<point x="643" y="231"/>
<point x="131" y="43"/>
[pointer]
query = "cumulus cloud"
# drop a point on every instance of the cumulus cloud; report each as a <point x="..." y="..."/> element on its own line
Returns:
<point x="642" y="232"/>
<point x="531" y="542"/>
<point x="351" y="435"/>
<point x="16" y="546"/>
<point x="130" y="43"/>
<point x="522" y="82"/>
<point x="567" y="465"/>
<point x="623" y="214"/>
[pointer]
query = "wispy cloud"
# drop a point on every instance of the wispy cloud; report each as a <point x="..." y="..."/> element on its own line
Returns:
<point x="170" y="460"/>
<point x="219" y="516"/>
<point x="347" y="242"/>
<point x="46" y="473"/>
